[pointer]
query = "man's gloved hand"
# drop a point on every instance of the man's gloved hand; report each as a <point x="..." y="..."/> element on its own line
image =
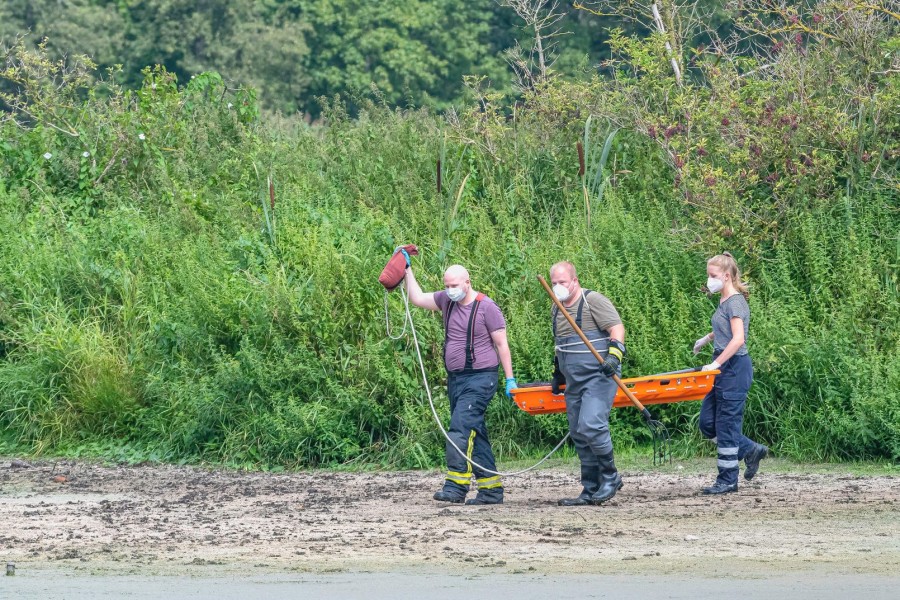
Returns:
<point x="713" y="366"/>
<point x="698" y="345"/>
<point x="614" y="358"/>
<point x="558" y="378"/>
<point x="404" y="252"/>
<point x="510" y="385"/>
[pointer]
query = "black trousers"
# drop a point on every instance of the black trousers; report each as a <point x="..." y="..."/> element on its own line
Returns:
<point x="470" y="393"/>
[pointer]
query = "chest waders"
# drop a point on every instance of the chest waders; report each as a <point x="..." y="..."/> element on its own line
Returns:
<point x="589" y="396"/>
<point x="470" y="390"/>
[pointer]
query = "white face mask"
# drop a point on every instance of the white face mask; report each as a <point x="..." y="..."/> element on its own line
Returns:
<point x="714" y="285"/>
<point x="561" y="292"/>
<point x="455" y="294"/>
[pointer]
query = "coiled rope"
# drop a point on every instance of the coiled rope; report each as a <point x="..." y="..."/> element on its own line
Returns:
<point x="412" y="327"/>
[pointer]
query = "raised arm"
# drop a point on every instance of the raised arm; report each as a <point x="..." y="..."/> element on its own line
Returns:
<point x="416" y="295"/>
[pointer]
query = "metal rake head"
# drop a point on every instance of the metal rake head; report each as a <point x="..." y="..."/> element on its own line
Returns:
<point x="662" y="448"/>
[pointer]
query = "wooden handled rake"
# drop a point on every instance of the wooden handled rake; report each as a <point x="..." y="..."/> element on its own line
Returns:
<point x="660" y="435"/>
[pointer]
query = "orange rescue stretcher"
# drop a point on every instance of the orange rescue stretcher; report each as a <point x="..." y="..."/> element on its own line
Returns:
<point x="537" y="399"/>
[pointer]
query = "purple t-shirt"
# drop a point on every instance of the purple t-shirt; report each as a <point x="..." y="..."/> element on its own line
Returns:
<point x="488" y="320"/>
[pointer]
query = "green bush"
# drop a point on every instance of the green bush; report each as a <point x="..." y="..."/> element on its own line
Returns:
<point x="159" y="299"/>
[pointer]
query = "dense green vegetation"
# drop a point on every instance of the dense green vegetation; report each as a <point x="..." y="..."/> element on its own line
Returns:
<point x="158" y="299"/>
<point x="292" y="50"/>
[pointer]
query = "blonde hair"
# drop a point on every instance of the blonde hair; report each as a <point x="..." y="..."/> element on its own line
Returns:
<point x="727" y="264"/>
<point x="566" y="266"/>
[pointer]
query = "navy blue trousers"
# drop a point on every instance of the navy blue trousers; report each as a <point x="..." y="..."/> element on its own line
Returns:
<point x="470" y="394"/>
<point x="722" y="415"/>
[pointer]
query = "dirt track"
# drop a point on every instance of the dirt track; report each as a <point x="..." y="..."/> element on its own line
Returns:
<point x="167" y="520"/>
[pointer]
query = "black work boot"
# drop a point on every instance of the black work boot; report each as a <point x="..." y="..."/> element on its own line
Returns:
<point x="752" y="459"/>
<point x="720" y="488"/>
<point x="610" y="480"/>
<point x="451" y="492"/>
<point x="445" y="496"/>
<point x="590" y="481"/>
<point x="486" y="498"/>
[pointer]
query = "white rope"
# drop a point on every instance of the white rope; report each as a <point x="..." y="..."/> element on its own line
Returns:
<point x="387" y="318"/>
<point x="412" y="327"/>
<point x="562" y="347"/>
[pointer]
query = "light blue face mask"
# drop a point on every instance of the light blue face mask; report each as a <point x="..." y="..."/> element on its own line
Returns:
<point x="455" y="294"/>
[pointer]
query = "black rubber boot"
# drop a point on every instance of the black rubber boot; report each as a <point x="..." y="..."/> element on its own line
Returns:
<point x="590" y="481"/>
<point x="752" y="459"/>
<point x="610" y="480"/>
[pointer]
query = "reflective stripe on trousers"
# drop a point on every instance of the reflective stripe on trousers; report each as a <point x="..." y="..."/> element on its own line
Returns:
<point x="470" y="394"/>
<point x="722" y="415"/>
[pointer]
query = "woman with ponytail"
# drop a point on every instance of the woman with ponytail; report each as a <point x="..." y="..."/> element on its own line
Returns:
<point x="722" y="411"/>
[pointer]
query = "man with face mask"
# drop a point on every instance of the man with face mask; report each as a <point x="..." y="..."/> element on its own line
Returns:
<point x="474" y="344"/>
<point x="590" y="388"/>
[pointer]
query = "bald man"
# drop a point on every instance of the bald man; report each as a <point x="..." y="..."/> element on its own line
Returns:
<point x="474" y="345"/>
<point x="590" y="388"/>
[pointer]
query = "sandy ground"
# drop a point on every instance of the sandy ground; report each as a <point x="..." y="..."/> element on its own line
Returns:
<point x="167" y="520"/>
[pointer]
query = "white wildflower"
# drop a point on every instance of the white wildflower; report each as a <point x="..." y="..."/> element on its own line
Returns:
<point x="230" y="105"/>
<point x="47" y="155"/>
<point x="142" y="137"/>
<point x="152" y="86"/>
<point x="85" y="154"/>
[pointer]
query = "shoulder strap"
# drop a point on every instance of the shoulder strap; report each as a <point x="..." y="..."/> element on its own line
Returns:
<point x="470" y="333"/>
<point x="584" y="295"/>
<point x="470" y="330"/>
<point x="555" y="314"/>
<point x="577" y="313"/>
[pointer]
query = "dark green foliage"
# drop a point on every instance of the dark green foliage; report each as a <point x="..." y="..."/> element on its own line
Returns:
<point x="155" y="302"/>
<point x="415" y="52"/>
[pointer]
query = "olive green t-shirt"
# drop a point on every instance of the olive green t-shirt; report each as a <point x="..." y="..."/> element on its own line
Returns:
<point x="598" y="314"/>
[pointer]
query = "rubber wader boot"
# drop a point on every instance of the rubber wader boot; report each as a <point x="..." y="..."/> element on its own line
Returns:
<point x="610" y="480"/>
<point x="590" y="480"/>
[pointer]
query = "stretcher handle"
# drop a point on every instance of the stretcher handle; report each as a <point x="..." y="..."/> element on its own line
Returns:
<point x="680" y="372"/>
<point x="590" y="346"/>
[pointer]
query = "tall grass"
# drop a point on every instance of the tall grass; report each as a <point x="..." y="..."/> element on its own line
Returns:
<point x="177" y="319"/>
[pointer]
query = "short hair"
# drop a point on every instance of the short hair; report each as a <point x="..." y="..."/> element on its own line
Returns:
<point x="457" y="271"/>
<point x="564" y="264"/>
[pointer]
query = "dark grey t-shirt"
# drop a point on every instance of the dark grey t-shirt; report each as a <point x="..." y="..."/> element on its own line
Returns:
<point x="733" y="306"/>
<point x="598" y="313"/>
<point x="488" y="320"/>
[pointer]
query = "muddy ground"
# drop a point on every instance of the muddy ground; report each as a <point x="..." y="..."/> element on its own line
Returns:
<point x="175" y="520"/>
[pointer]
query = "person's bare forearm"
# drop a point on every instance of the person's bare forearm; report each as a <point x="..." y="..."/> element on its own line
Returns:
<point x="505" y="360"/>
<point x="415" y="293"/>
<point x="412" y="287"/>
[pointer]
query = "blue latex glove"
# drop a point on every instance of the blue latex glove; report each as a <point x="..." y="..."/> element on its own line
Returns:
<point x="404" y="252"/>
<point x="510" y="385"/>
